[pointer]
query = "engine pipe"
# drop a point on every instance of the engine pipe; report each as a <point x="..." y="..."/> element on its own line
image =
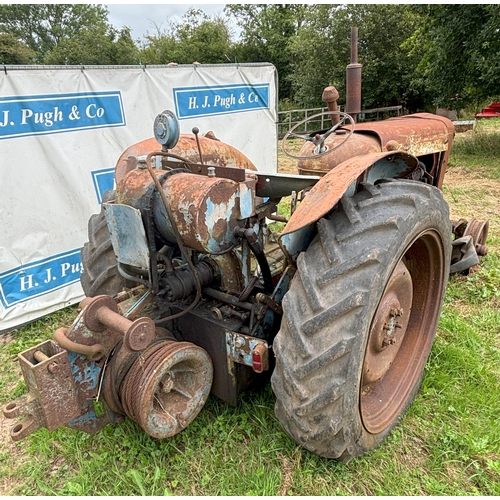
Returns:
<point x="353" y="79"/>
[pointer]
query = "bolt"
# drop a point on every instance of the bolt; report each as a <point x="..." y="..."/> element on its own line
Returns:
<point x="388" y="341"/>
<point x="396" y="312"/>
<point x="53" y="367"/>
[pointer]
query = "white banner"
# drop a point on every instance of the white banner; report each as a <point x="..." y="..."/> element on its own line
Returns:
<point x="62" y="130"/>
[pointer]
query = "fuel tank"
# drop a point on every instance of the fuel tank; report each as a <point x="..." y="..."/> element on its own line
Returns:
<point x="215" y="153"/>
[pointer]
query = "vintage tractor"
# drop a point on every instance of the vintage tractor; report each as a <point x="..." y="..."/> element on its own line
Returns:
<point x="191" y="292"/>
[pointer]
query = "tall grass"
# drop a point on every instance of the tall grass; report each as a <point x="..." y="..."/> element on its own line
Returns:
<point x="479" y="148"/>
<point x="447" y="444"/>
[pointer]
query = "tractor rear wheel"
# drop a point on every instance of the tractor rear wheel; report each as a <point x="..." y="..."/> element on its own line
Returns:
<point x="100" y="271"/>
<point x="360" y="318"/>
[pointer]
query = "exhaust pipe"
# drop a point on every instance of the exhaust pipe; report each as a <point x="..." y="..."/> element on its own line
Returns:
<point x="353" y="79"/>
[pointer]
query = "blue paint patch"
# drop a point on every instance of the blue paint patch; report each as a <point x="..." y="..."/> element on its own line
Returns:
<point x="220" y="99"/>
<point x="103" y="180"/>
<point x="54" y="113"/>
<point x="28" y="281"/>
<point x="86" y="378"/>
<point x="88" y="421"/>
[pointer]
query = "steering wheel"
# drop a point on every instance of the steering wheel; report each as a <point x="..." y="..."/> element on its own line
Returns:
<point x="317" y="138"/>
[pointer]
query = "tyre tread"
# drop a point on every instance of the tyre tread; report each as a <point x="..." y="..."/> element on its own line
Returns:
<point x="307" y="352"/>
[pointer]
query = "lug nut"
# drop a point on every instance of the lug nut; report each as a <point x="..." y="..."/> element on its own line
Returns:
<point x="396" y="312"/>
<point x="388" y="341"/>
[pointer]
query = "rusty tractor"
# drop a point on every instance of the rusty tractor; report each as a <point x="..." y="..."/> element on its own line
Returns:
<point x="190" y="290"/>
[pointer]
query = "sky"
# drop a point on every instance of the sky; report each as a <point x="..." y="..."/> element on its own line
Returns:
<point x="141" y="18"/>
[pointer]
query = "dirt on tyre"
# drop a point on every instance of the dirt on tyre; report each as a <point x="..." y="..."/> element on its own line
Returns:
<point x="100" y="271"/>
<point x="360" y="318"/>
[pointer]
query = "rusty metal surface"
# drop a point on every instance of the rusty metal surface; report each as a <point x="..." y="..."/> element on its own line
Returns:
<point x="102" y="313"/>
<point x="93" y="352"/>
<point x="230" y="270"/>
<point x="330" y="96"/>
<point x="51" y="399"/>
<point x="214" y="152"/>
<point x="279" y="185"/>
<point x="389" y="325"/>
<point x="479" y="232"/>
<point x="353" y="78"/>
<point x="402" y="331"/>
<point x="205" y="210"/>
<point x="327" y="192"/>
<point x="134" y="186"/>
<point x="201" y="328"/>
<point x="167" y="387"/>
<point x="233" y="173"/>
<point x="93" y="308"/>
<point x="418" y="134"/>
<point x="65" y="378"/>
<point x="356" y="145"/>
<point x="240" y="349"/>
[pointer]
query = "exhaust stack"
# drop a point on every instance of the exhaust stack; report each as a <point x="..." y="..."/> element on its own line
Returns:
<point x="353" y="79"/>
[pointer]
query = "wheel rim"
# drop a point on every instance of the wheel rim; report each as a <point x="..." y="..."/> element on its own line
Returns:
<point x="165" y="391"/>
<point x="479" y="232"/>
<point x="402" y="331"/>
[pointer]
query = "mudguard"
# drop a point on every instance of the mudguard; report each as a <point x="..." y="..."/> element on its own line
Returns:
<point x="324" y="195"/>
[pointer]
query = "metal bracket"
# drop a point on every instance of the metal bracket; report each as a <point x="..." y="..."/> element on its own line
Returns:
<point x="51" y="399"/>
<point x="241" y="348"/>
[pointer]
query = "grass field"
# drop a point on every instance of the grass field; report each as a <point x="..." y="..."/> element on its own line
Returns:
<point x="447" y="444"/>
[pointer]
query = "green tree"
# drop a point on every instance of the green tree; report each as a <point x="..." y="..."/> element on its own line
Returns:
<point x="196" y="38"/>
<point x="44" y="26"/>
<point x="95" y="45"/>
<point x="461" y="52"/>
<point x="321" y="52"/>
<point x="267" y="33"/>
<point x="12" y="51"/>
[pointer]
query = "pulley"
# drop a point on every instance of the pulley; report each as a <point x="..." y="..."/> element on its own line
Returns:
<point x="167" y="387"/>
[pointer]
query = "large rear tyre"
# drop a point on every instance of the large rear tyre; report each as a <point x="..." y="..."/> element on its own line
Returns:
<point x="100" y="271"/>
<point x="360" y="318"/>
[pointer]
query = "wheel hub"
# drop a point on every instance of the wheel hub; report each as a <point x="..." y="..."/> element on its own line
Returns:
<point x="401" y="333"/>
<point x="389" y="327"/>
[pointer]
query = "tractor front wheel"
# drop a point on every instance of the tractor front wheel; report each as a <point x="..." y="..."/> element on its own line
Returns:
<point x="360" y="318"/>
